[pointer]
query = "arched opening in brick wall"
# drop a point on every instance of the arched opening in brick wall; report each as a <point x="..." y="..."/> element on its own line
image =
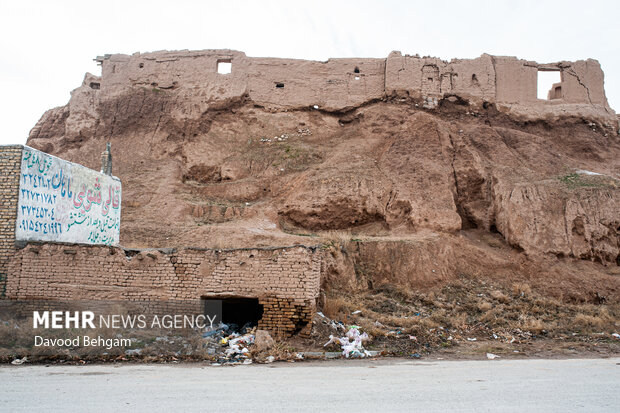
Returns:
<point x="549" y="84"/>
<point x="240" y="311"/>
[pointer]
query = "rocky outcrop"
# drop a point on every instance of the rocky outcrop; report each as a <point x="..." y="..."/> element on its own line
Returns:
<point x="545" y="218"/>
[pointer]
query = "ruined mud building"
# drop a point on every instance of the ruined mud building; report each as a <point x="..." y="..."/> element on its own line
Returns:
<point x="285" y="281"/>
<point x="212" y="76"/>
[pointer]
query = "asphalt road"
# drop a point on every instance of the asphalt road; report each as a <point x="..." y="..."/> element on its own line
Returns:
<point x="589" y="385"/>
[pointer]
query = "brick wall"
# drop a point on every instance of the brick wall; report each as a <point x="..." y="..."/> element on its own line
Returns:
<point x="285" y="280"/>
<point x="10" y="164"/>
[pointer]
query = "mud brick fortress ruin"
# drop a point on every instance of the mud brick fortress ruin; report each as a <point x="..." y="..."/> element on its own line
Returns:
<point x="60" y="222"/>
<point x="341" y="84"/>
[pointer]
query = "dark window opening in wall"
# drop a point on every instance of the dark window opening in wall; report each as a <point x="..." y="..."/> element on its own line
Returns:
<point x="548" y="85"/>
<point x="430" y="79"/>
<point x="279" y="85"/>
<point x="141" y="65"/>
<point x="224" y="67"/>
<point x="95" y="85"/>
<point x="356" y="70"/>
<point x="240" y="311"/>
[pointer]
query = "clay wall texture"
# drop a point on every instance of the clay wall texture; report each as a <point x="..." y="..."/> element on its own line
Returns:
<point x="340" y="84"/>
<point x="10" y="161"/>
<point x="285" y="280"/>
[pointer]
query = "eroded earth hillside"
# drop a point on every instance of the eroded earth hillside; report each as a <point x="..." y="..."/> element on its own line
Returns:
<point x="412" y="185"/>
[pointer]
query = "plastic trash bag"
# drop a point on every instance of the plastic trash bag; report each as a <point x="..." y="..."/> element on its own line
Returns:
<point x="351" y="344"/>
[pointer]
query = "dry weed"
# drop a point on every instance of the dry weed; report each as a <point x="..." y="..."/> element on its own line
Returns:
<point x="521" y="289"/>
<point x="500" y="296"/>
<point x="337" y="237"/>
<point x="337" y="307"/>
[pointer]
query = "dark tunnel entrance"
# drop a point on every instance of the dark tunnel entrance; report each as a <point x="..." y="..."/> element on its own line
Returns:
<point x="235" y="311"/>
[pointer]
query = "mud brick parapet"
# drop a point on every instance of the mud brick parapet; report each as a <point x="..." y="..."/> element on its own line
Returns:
<point x="10" y="164"/>
<point x="285" y="280"/>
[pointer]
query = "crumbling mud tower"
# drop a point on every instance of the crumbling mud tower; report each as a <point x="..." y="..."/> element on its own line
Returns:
<point x="59" y="239"/>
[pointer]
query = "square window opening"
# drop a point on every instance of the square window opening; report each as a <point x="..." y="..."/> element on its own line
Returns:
<point x="548" y="85"/>
<point x="224" y="67"/>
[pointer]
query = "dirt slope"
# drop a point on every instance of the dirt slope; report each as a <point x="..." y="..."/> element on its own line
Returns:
<point x="388" y="172"/>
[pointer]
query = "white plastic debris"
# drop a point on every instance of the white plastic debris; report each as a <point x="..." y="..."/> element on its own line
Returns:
<point x="492" y="356"/>
<point x="616" y="335"/>
<point x="270" y="359"/>
<point x="472" y="339"/>
<point x="237" y="346"/>
<point x="351" y="343"/>
<point x="18" y="362"/>
<point x="356" y="312"/>
<point x="584" y="172"/>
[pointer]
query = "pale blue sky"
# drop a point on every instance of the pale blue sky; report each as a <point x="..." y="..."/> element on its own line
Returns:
<point x="47" y="46"/>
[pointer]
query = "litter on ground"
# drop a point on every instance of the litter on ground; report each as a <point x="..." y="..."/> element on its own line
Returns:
<point x="351" y="343"/>
<point x="18" y="361"/>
